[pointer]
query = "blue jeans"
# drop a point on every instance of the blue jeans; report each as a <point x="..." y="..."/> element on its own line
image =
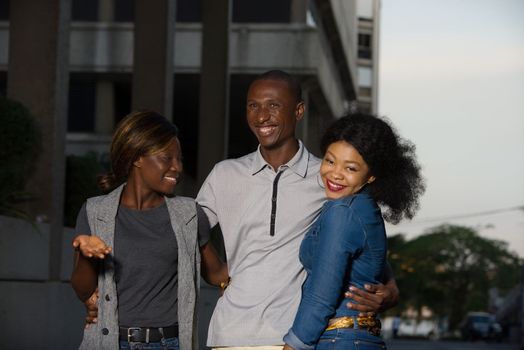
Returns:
<point x="349" y="339"/>
<point x="164" y="344"/>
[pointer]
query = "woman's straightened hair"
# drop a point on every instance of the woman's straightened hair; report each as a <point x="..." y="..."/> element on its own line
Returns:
<point x="140" y="133"/>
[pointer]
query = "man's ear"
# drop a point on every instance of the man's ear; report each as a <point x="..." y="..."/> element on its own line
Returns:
<point x="138" y="163"/>
<point x="371" y="179"/>
<point x="300" y="109"/>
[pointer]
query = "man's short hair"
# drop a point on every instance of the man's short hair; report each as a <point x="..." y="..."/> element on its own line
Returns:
<point x="276" y="74"/>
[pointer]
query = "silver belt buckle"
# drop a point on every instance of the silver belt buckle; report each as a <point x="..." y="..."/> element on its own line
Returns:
<point x="130" y="329"/>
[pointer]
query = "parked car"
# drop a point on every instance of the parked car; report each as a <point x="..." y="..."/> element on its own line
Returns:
<point x="427" y="329"/>
<point x="480" y="325"/>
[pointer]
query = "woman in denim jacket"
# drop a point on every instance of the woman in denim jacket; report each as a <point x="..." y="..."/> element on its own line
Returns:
<point x="365" y="164"/>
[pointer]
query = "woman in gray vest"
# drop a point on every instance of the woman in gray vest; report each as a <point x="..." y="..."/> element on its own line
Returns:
<point x="141" y="246"/>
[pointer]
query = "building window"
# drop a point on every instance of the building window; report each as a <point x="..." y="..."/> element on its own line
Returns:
<point x="84" y="10"/>
<point x="364" y="92"/>
<point x="241" y="139"/>
<point x="122" y="94"/>
<point x="124" y="11"/>
<point x="364" y="107"/>
<point x="4" y="10"/>
<point x="365" y="77"/>
<point x="188" y="11"/>
<point x="365" y="46"/>
<point x="3" y="84"/>
<point x="81" y="105"/>
<point x="186" y="94"/>
<point x="267" y="11"/>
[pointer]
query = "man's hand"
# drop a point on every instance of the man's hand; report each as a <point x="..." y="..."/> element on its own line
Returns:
<point x="91" y="246"/>
<point x="374" y="298"/>
<point x="91" y="305"/>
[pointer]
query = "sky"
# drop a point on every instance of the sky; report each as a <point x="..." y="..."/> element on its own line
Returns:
<point x="451" y="80"/>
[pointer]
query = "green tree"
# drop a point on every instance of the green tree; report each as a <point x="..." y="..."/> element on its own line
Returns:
<point x="19" y="148"/>
<point x="450" y="270"/>
<point x="81" y="182"/>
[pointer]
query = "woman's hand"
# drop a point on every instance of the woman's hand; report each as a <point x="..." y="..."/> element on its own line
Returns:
<point x="91" y="305"/>
<point x="374" y="298"/>
<point x="91" y="246"/>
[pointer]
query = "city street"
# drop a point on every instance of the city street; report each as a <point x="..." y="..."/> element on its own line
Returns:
<point x="446" y="345"/>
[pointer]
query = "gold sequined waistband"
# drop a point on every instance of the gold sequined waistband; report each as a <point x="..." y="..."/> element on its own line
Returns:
<point x="371" y="323"/>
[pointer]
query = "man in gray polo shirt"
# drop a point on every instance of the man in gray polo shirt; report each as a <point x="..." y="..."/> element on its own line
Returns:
<point x="265" y="202"/>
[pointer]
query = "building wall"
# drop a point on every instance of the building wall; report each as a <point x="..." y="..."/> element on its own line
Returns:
<point x="347" y="23"/>
<point x="368" y="54"/>
<point x="37" y="314"/>
<point x="101" y="52"/>
<point x="107" y="47"/>
<point x="101" y="67"/>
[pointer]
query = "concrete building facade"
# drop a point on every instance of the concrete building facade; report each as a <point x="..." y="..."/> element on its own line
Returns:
<point x="93" y="61"/>
<point x="368" y="54"/>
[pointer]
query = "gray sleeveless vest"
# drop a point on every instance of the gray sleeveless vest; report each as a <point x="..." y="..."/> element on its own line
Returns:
<point x="101" y="214"/>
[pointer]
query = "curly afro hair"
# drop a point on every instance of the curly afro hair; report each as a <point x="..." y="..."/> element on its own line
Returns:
<point x="390" y="158"/>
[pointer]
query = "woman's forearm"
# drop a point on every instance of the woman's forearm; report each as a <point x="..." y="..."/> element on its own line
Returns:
<point x="214" y="270"/>
<point x="84" y="278"/>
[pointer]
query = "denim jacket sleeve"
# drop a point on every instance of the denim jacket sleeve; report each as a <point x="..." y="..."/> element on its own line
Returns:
<point x="341" y="237"/>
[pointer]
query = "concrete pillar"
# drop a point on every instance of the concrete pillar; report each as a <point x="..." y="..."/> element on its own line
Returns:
<point x="303" y="125"/>
<point x="38" y="77"/>
<point x="106" y="10"/>
<point x="153" y="56"/>
<point x="105" y="107"/>
<point x="213" y="120"/>
<point x="298" y="11"/>
<point x="105" y="100"/>
<point x="376" y="52"/>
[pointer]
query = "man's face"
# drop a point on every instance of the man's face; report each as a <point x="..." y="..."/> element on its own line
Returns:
<point x="272" y="112"/>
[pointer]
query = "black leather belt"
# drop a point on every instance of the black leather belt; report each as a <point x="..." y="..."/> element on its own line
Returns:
<point x="147" y="335"/>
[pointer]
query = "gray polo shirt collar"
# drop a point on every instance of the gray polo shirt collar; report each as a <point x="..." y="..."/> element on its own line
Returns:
<point x="298" y="164"/>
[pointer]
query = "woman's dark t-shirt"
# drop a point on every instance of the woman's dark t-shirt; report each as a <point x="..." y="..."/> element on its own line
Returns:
<point x="146" y="264"/>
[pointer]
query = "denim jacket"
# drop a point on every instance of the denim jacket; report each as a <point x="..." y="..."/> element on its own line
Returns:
<point x="346" y="246"/>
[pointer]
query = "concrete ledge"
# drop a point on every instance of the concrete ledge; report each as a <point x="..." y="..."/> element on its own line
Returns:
<point x="40" y="316"/>
<point x="24" y="251"/>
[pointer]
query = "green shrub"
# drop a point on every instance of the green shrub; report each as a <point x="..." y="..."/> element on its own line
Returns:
<point x="81" y="182"/>
<point x="19" y="149"/>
